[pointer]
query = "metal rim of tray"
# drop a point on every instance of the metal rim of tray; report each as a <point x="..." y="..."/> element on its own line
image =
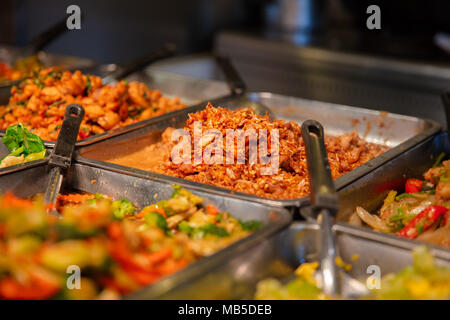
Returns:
<point x="341" y="182"/>
<point x="390" y="239"/>
<point x="192" y="272"/>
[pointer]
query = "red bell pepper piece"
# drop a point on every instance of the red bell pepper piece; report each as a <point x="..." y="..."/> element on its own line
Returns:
<point x="83" y="135"/>
<point x="422" y="221"/>
<point x="413" y="185"/>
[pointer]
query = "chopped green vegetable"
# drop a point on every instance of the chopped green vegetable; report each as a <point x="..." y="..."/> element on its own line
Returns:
<point x="439" y="160"/>
<point x="17" y="136"/>
<point x="219" y="216"/>
<point x="36" y="156"/>
<point x="420" y="228"/>
<point x="180" y="192"/>
<point x="20" y="142"/>
<point x="122" y="208"/>
<point x="404" y="195"/>
<point x="210" y="228"/>
<point x="39" y="83"/>
<point x="200" y="232"/>
<point x="155" y="219"/>
<point x="88" y="86"/>
<point x="400" y="219"/>
<point x="185" y="227"/>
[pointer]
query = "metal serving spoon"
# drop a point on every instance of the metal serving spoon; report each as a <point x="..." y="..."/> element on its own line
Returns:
<point x="324" y="202"/>
<point x="61" y="156"/>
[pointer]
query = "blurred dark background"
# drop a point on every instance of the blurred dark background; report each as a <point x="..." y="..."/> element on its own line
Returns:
<point x="114" y="31"/>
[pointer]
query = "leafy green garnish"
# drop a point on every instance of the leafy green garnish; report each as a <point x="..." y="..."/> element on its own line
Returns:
<point x="20" y="141"/>
<point x="36" y="156"/>
<point x="122" y="207"/>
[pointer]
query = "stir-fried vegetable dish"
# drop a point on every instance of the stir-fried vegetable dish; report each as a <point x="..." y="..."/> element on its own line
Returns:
<point x="39" y="103"/>
<point x="424" y="279"/>
<point x="303" y="287"/>
<point x="23" y="146"/>
<point x="117" y="248"/>
<point x="421" y="212"/>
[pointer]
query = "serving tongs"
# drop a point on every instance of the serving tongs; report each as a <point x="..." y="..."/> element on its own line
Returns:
<point x="324" y="205"/>
<point x="324" y="202"/>
<point x="61" y="156"/>
<point x="238" y="87"/>
<point x="112" y="73"/>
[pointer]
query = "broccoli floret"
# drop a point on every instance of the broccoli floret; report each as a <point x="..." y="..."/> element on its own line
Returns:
<point x="211" y="229"/>
<point x="155" y="219"/>
<point x="122" y="207"/>
<point x="185" y="227"/>
<point x="180" y="192"/>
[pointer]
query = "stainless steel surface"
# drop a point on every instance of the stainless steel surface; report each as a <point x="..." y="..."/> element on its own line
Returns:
<point x="55" y="179"/>
<point x="324" y="201"/>
<point x="397" y="131"/>
<point x="61" y="157"/>
<point x="326" y="75"/>
<point x="278" y="257"/>
<point x="370" y="190"/>
<point x="142" y="192"/>
<point x="327" y="255"/>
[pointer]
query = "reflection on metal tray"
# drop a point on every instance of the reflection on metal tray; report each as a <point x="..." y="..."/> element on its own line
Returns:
<point x="142" y="192"/>
<point x="396" y="131"/>
<point x="280" y="255"/>
<point x="370" y="191"/>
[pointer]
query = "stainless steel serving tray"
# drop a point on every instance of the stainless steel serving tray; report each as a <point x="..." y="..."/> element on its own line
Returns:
<point x="396" y="131"/>
<point x="370" y="190"/>
<point x="278" y="257"/>
<point x="32" y="179"/>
